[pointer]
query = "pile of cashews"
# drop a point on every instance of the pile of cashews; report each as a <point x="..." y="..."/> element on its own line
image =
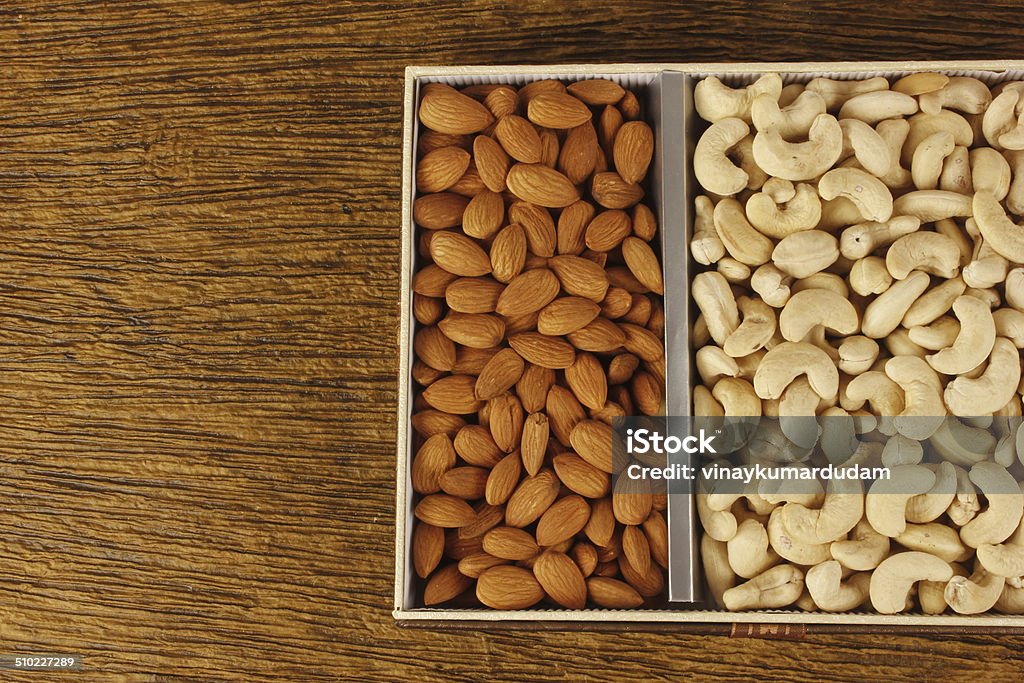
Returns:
<point x="860" y="263"/>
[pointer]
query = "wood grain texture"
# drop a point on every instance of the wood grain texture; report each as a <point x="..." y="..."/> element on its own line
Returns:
<point x="199" y="211"/>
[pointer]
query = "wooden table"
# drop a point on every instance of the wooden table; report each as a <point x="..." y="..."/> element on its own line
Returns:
<point x="200" y="235"/>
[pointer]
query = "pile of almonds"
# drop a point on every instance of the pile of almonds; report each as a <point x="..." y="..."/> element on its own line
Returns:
<point x="538" y="303"/>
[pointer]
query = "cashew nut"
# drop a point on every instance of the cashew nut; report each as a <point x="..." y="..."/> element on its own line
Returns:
<point x="895" y="576"/>
<point x="713" y="296"/>
<point x="778" y="587"/>
<point x="930" y="252"/>
<point x="715" y="101"/>
<point x="705" y="247"/>
<point x="993" y="389"/>
<point x="973" y="344"/>
<point x="787" y="361"/>
<point x="868" y="193"/>
<point x="885" y="505"/>
<point x="922" y="392"/>
<point x="883" y="315"/>
<point x="741" y="240"/>
<point x="962" y="93"/>
<point x="711" y="164"/>
<point x="792" y="120"/>
<point x="812" y="307"/>
<point x="975" y="594"/>
<point x="800" y="160"/>
<point x="929" y="157"/>
<point x="824" y="583"/>
<point x="1005" y="506"/>
<point x="803" y="254"/>
<point x="802" y="211"/>
<point x="858" y="241"/>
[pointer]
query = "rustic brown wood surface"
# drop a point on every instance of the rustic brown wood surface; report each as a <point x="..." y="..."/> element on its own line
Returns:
<point x="199" y="279"/>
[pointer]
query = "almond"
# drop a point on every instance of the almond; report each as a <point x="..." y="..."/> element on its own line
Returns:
<point x="541" y="185"/>
<point x="429" y="140"/>
<point x="508" y="253"/>
<point x="528" y="292"/>
<point x="648" y="584"/>
<point x="439" y="211"/>
<point x="508" y="587"/>
<point x="519" y="139"/>
<point x="647" y="392"/>
<point x="473" y="294"/>
<point x="607" y="413"/>
<point x="531" y="90"/>
<point x="534" y="444"/>
<point x="537" y="225"/>
<point x="539" y="349"/>
<point x="506" y="421"/>
<point x="608" y="126"/>
<point x="643" y="263"/>
<point x="597" y="91"/>
<point x="453" y="394"/>
<point x="476" y="330"/>
<point x="501" y="101"/>
<point x="456" y="547"/>
<point x="572" y="227"/>
<point x="602" y="335"/>
<point x="427" y="309"/>
<point x="432" y="280"/>
<point x="434" y="349"/>
<point x="645" y="225"/>
<point x="431" y="422"/>
<point x="465" y="482"/>
<point x="622" y="276"/>
<point x="532" y="387"/>
<point x="561" y="579"/>
<point x="435" y="457"/>
<point x="470" y="184"/>
<point x="657" y="369"/>
<point x="601" y="526"/>
<point x="563" y="520"/>
<point x="612" y="192"/>
<point x="657" y="537"/>
<point x="557" y="110"/>
<point x="427" y="548"/>
<point x="475" y="565"/>
<point x="580" y="476"/>
<point x="470" y="361"/>
<point x="499" y="375"/>
<point x="642" y="342"/>
<point x="632" y="151"/>
<point x="448" y="111"/>
<point x="578" y="155"/>
<point x="616" y="303"/>
<point x="656" y="323"/>
<point x="630" y="106"/>
<point x="564" y="413"/>
<point x="445" y="584"/>
<point x="612" y="593"/>
<point x="444" y="511"/>
<point x="510" y="543"/>
<point x="587" y="380"/>
<point x="639" y="310"/>
<point x="607" y="230"/>
<point x="580" y="276"/>
<point x="622" y="367"/>
<point x="484" y="215"/>
<point x="549" y="147"/>
<point x="631" y="500"/>
<point x="424" y="375"/>
<point x="474" y="444"/>
<point x="592" y="440"/>
<point x="585" y="557"/>
<point x="440" y="169"/>
<point x="526" y="322"/>
<point x="492" y="162"/>
<point x="531" y="499"/>
<point x="459" y="254"/>
<point x="487" y="517"/>
<point x="566" y="315"/>
<point x="636" y="549"/>
<point x="503" y="480"/>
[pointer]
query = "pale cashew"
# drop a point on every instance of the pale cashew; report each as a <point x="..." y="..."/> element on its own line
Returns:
<point x="920" y="83"/>
<point x="934" y="303"/>
<point x="899" y="450"/>
<point x="741" y="240"/>
<point x="932" y="205"/>
<point x="838" y="438"/>
<point x="929" y="506"/>
<point x="713" y="296"/>
<point x="857" y="354"/>
<point x="1004" y="559"/>
<point x="965" y="505"/>
<point x="718" y="524"/>
<point x="771" y="284"/>
<point x="783" y="542"/>
<point x="877" y="106"/>
<point x="935" y="539"/>
<point x="715" y="101"/>
<point x="883" y="315"/>
<point x="922" y="392"/>
<point x="1005" y="506"/>
<point x="801" y="212"/>
<point x="1014" y="288"/>
<point x="711" y="164"/>
<point x="748" y="551"/>
<point x="1000" y="233"/>
<point x="961" y="444"/>
<point x="790" y="93"/>
<point x="779" y="189"/>
<point x="1015" y="194"/>
<point x="974" y="342"/>
<point x="838" y="213"/>
<point x="754" y="331"/>
<point x="812" y="307"/>
<point x="956" y="172"/>
<point x="732" y="270"/>
<point x="800" y="160"/>
<point x="929" y="157"/>
<point x="838" y="92"/>
<point x="894" y="133"/>
<point x="924" y="251"/>
<point x="883" y="395"/>
<point x="868" y="193"/>
<point x="867" y="146"/>
<point x="778" y="587"/>
<point x="932" y="594"/>
<point x="951" y="229"/>
<point x="939" y="335"/>
<point x="737" y="397"/>
<point x="870" y="276"/>
<point x="791" y="121"/>
<point x="822" y="280"/>
<point x="885" y="504"/>
<point x="962" y="93"/>
<point x="705" y="247"/>
<point x="864" y="551"/>
<point x="787" y="361"/>
<point x="743" y="155"/>
<point x="803" y="254"/>
<point x="715" y="559"/>
<point x="713" y="364"/>
<point x="990" y="296"/>
<point x="842" y="509"/>
<point x="700" y="334"/>
<point x="975" y="594"/>
<point x="899" y="343"/>
<point x="988" y="268"/>
<point x="1001" y="125"/>
<point x="1010" y="324"/>
<point x="858" y="241"/>
<point x="824" y="583"/>
<point x="924" y="125"/>
<point x="895" y="576"/>
<point x="1012" y="599"/>
<point x="992" y="389"/>
<point x="990" y="172"/>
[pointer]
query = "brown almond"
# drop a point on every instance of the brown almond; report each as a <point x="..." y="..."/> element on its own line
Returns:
<point x="534" y="444"/>
<point x="470" y="184"/>
<point x="439" y="211"/>
<point x="447" y="583"/>
<point x="540" y="185"/>
<point x="432" y="280"/>
<point x="620" y="394"/>
<point x="470" y="361"/>
<point x="508" y="253"/>
<point x="601" y="526"/>
<point x="510" y="543"/>
<point x="642" y="342"/>
<point x="503" y="480"/>
<point x="587" y="380"/>
<point x="465" y="482"/>
<point x="487" y="517"/>
<point x="517" y="324"/>
<point x="622" y="367"/>
<point x="656" y="323"/>
<point x="580" y="277"/>
<point x="447" y="512"/>
<point x="505" y="417"/>
<point x="492" y="162"/>
<point x="528" y="292"/>
<point x="538" y="227"/>
<point x="600" y="336"/>
<point x="578" y="155"/>
<point x="607" y="413"/>
<point x="597" y="91"/>
<point x="622" y="276"/>
<point x="431" y="422"/>
<point x="531" y="499"/>
<point x="429" y="140"/>
<point x="645" y="225"/>
<point x="640" y="310"/>
<point x="502" y="101"/>
<point x="608" y="125"/>
<point x="643" y="263"/>
<point x="598" y="257"/>
<point x="564" y="413"/>
<point x="585" y="557"/>
<point x="427" y="548"/>
<point x="519" y="139"/>
<point x="613" y="549"/>
<point x="473" y="294"/>
<point x="499" y="375"/>
<point x="474" y="444"/>
<point x="434" y="348"/>
<point x="534" y="88"/>
<point x="563" y="520"/>
<point x="532" y="387"/>
<point x="566" y="315"/>
<point x="607" y="230"/>
<point x="580" y="476"/>
<point x="459" y="254"/>
<point x="612" y="192"/>
<point x="539" y="349"/>
<point x="657" y="369"/>
<point x="612" y="593"/>
<point x="476" y="330"/>
<point x="424" y="375"/>
<point x="572" y="227"/>
<point x="561" y="579"/>
<point x="557" y="110"/>
<point x="453" y="394"/>
<point x="630" y="106"/>
<point x="427" y="309"/>
<point x="440" y="169"/>
<point x="449" y="111"/>
<point x="549" y="147"/>
<point x="592" y="440"/>
<point x="633" y="150"/>
<point x="457" y="547"/>
<point x="648" y="584"/>
<point x="608" y="569"/>
<point x="631" y="500"/>
<point x="657" y="537"/>
<point x="647" y="393"/>
<point x="484" y="215"/>
<point x="636" y="549"/>
<point x="508" y="587"/>
<point x="475" y="565"/>
<point x="616" y="303"/>
<point x="435" y="457"/>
